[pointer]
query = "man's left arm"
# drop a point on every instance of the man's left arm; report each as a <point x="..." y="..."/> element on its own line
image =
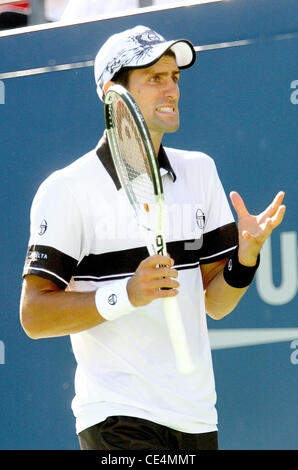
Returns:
<point x="224" y="284"/>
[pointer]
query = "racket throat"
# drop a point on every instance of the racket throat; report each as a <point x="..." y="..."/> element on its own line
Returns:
<point x="160" y="245"/>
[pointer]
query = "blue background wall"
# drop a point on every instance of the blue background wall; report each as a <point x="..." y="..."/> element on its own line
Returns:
<point x="239" y="105"/>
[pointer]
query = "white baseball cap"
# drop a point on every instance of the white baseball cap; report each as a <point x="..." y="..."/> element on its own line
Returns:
<point x="138" y="47"/>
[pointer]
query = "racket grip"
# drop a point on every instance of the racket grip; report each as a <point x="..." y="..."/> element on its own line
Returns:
<point x="177" y="335"/>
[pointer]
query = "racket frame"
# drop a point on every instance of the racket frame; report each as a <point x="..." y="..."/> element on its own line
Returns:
<point x="141" y="125"/>
<point x="171" y="308"/>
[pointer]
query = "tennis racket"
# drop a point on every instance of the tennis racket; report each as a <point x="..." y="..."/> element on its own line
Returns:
<point x="138" y="171"/>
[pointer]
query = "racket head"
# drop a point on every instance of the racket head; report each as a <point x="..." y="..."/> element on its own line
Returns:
<point x="136" y="163"/>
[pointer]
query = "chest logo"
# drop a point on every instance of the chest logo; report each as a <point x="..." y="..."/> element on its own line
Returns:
<point x="200" y="219"/>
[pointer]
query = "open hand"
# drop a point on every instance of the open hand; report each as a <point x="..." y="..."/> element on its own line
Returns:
<point x="255" y="229"/>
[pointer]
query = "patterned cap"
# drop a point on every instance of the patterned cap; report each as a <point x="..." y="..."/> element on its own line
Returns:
<point x="138" y="47"/>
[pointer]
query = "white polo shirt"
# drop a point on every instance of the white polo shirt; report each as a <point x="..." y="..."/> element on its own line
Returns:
<point x="84" y="236"/>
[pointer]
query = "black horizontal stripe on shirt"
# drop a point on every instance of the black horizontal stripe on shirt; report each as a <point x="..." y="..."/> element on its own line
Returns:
<point x="49" y="263"/>
<point x="118" y="277"/>
<point x="52" y="264"/>
<point x="119" y="264"/>
<point x="218" y="243"/>
<point x="112" y="265"/>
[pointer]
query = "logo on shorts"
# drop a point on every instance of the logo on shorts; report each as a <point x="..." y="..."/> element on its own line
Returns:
<point x="112" y="299"/>
<point x="43" y="227"/>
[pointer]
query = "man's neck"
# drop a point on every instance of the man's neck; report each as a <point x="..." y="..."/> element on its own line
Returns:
<point x="156" y="140"/>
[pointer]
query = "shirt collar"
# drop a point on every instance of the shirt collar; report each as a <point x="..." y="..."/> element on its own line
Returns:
<point x="164" y="164"/>
<point x="104" y="154"/>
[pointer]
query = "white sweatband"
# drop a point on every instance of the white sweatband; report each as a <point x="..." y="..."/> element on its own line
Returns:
<point x="112" y="300"/>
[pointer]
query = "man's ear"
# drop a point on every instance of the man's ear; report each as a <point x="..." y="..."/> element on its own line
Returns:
<point x="107" y="85"/>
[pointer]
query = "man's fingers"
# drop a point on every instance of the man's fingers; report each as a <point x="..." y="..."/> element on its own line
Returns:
<point x="264" y="231"/>
<point x="153" y="261"/>
<point x="238" y="204"/>
<point x="275" y="211"/>
<point x="162" y="293"/>
<point x="272" y="209"/>
<point x="149" y="275"/>
<point x="267" y="226"/>
<point x="279" y="215"/>
<point x="164" y="271"/>
<point x="277" y="201"/>
<point x="163" y="282"/>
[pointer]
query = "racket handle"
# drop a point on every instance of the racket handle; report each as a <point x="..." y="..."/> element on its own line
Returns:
<point x="178" y="336"/>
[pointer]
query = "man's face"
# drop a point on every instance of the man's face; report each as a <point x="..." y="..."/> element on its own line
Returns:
<point x="156" y="92"/>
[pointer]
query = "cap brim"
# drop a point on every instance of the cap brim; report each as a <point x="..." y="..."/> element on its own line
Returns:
<point x="184" y="52"/>
<point x="183" y="49"/>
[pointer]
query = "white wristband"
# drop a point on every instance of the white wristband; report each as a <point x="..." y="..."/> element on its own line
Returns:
<point x="112" y="300"/>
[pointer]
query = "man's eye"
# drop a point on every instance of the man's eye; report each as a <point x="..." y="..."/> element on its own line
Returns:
<point x="154" y="79"/>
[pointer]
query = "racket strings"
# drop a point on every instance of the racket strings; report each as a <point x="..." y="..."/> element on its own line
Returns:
<point x="133" y="164"/>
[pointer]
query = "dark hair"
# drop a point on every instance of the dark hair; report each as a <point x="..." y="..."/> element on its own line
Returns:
<point x="122" y="76"/>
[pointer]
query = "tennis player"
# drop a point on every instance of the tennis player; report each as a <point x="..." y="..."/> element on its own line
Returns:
<point x="88" y="275"/>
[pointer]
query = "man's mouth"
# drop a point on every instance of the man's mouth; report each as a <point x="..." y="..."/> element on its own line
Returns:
<point x="166" y="109"/>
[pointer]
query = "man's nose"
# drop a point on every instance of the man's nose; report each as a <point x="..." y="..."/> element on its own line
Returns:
<point x="172" y="89"/>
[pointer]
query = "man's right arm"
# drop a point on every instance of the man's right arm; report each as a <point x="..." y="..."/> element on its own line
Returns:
<point x="47" y="311"/>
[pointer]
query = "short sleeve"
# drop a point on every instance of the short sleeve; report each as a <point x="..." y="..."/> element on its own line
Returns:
<point x="55" y="233"/>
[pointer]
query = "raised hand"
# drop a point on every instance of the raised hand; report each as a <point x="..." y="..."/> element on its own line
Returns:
<point x="255" y="229"/>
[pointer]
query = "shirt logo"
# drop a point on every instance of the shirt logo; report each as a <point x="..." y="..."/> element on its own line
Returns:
<point x="200" y="219"/>
<point x="197" y="243"/>
<point x="112" y="299"/>
<point x="43" y="227"/>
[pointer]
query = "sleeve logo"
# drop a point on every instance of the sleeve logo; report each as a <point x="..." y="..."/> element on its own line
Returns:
<point x="43" y="227"/>
<point x="36" y="255"/>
